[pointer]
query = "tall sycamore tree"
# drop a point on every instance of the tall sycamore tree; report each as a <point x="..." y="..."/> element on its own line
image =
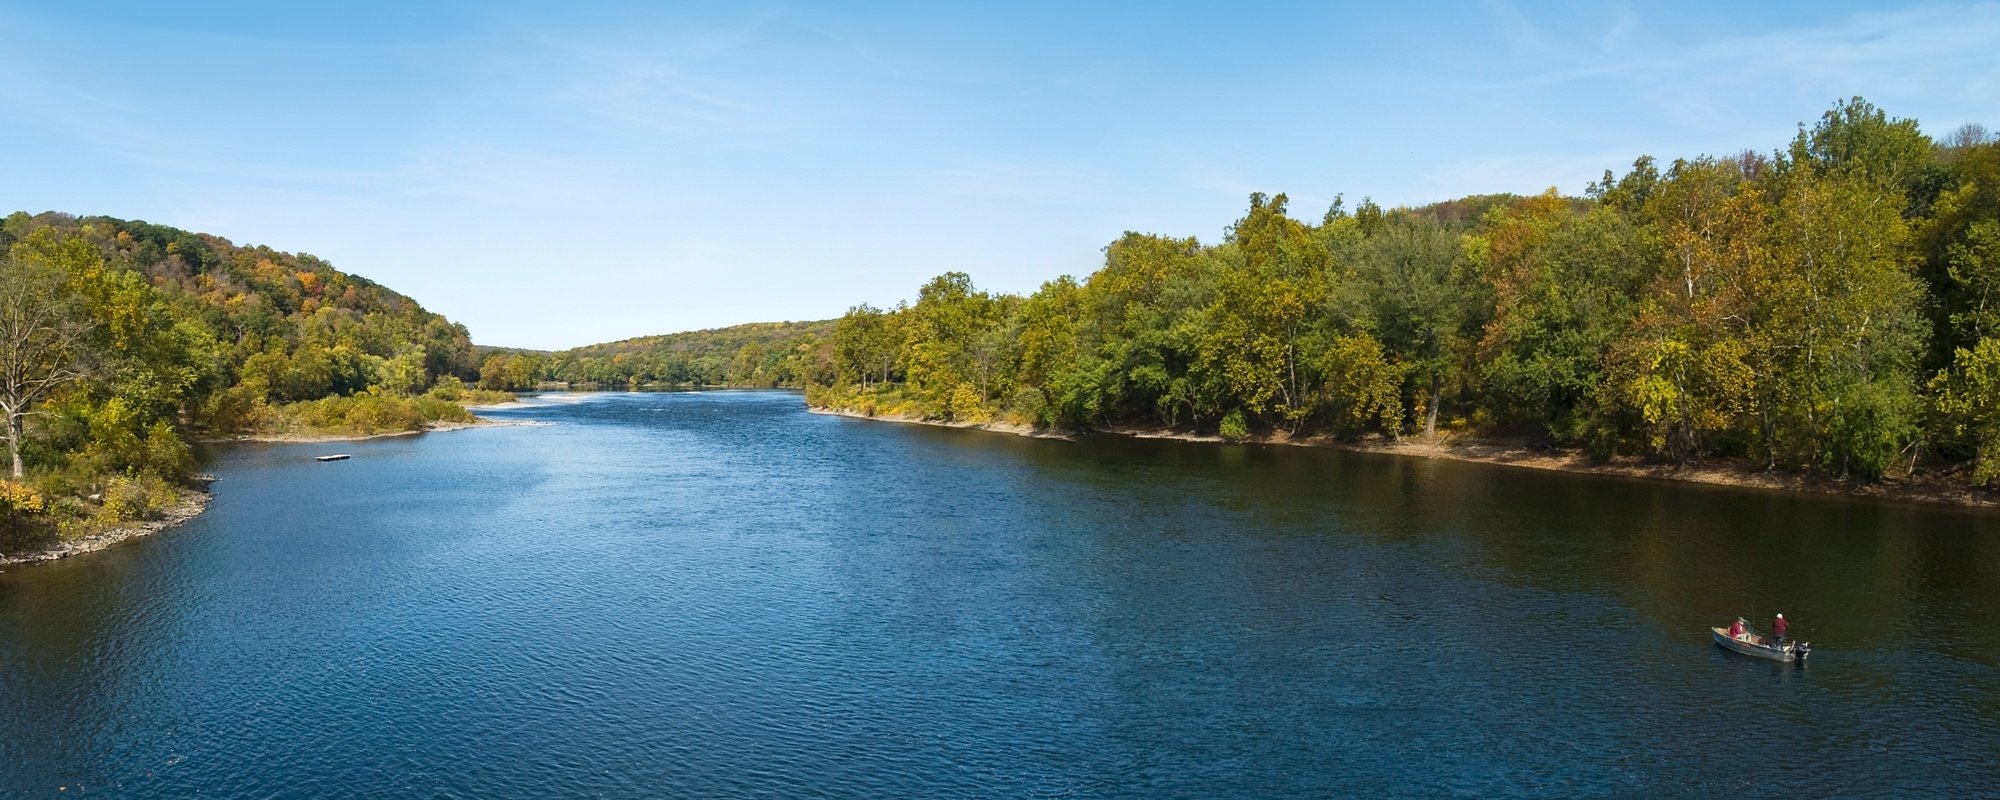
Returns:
<point x="45" y="327"/>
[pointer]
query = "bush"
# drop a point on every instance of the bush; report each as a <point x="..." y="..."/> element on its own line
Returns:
<point x="25" y="519"/>
<point x="20" y="498"/>
<point x="448" y="387"/>
<point x="167" y="455"/>
<point x="1030" y="405"/>
<point x="1233" y="426"/>
<point x="966" y="405"/>
<point x="138" y="497"/>
<point x="368" y="413"/>
<point x="451" y="389"/>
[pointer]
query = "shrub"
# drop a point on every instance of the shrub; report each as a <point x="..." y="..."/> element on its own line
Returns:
<point x="138" y="497"/>
<point x="966" y="405"/>
<point x="1233" y="426"/>
<point x="19" y="498"/>
<point x="167" y="455"/>
<point x="448" y="387"/>
<point x="25" y="520"/>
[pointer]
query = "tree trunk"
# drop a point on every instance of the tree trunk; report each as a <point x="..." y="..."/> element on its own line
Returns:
<point x="14" y="442"/>
<point x="1431" y="414"/>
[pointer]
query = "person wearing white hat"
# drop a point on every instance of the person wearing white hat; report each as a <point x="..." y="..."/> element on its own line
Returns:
<point x="1778" y="628"/>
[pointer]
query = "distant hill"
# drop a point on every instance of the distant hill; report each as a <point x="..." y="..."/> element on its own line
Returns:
<point x="288" y="322"/>
<point x="752" y="354"/>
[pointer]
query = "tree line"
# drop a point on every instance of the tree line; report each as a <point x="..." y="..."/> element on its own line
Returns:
<point x="1832" y="307"/>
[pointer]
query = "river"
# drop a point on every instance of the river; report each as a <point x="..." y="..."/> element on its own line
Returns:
<point x="721" y="595"/>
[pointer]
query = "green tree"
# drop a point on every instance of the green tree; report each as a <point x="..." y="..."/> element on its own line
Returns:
<point x="1842" y="310"/>
<point x="1686" y="368"/>
<point x="493" y="371"/>
<point x="1264" y="321"/>
<point x="1363" y="387"/>
<point x="1857" y="141"/>
<point x="1968" y="406"/>
<point x="1051" y="373"/>
<point x="44" y="328"/>
<point x="1419" y="299"/>
<point x="1566" y="288"/>
<point x="863" y="346"/>
<point x="943" y="347"/>
<point x="747" y="367"/>
<point x="1143" y="316"/>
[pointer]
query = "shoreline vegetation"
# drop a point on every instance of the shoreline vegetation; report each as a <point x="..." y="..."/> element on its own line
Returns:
<point x="1824" y="316"/>
<point x="130" y="342"/>
<point x="1926" y="490"/>
<point x="189" y="504"/>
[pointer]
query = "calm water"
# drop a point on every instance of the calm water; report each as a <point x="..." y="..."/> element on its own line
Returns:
<point x="720" y="595"/>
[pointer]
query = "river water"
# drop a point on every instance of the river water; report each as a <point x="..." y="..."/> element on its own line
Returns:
<point x="721" y="595"/>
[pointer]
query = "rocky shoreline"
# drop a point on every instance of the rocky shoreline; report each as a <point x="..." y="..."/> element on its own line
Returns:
<point x="309" y="438"/>
<point x="189" y="506"/>
<point x="1927" y="490"/>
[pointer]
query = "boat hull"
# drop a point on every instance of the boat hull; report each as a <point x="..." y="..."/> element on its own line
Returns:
<point x="1753" y="645"/>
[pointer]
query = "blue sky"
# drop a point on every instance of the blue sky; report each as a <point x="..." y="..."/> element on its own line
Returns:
<point x="553" y="175"/>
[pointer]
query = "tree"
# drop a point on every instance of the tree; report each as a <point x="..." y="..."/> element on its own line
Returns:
<point x="1048" y="371"/>
<point x="1968" y="406"/>
<point x="746" y="368"/>
<point x="1686" y="367"/>
<point x="1418" y="300"/>
<point x="405" y="375"/>
<point x="44" y="327"/>
<point x="945" y="352"/>
<point x="1264" y="317"/>
<point x="1841" y="308"/>
<point x="493" y="372"/>
<point x="1567" y="288"/>
<point x="1142" y="312"/>
<point x="1854" y="139"/>
<point x="863" y="350"/>
<point x="1362" y="386"/>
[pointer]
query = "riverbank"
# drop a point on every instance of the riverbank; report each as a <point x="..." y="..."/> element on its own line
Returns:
<point x="190" y="505"/>
<point x="319" y="437"/>
<point x="1013" y="428"/>
<point x="1923" y="489"/>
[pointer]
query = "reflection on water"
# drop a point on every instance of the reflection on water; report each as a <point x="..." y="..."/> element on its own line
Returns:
<point x="717" y="594"/>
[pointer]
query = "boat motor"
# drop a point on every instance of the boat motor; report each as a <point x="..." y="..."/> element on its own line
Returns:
<point x="1801" y="650"/>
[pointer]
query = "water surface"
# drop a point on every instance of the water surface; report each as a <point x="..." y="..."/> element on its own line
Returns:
<point x="719" y="594"/>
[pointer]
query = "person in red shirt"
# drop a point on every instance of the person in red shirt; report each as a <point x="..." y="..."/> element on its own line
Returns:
<point x="1736" y="629"/>
<point x="1778" y="628"/>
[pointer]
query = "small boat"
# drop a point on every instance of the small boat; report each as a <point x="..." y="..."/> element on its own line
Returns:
<point x="1760" y="646"/>
<point x="334" y="457"/>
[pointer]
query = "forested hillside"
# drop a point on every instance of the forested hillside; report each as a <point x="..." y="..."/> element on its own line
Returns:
<point x="1830" y="307"/>
<point x="754" y="354"/>
<point x="121" y="341"/>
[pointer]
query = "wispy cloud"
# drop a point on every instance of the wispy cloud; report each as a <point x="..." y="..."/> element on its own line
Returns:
<point x="1514" y="25"/>
<point x="1947" y="51"/>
